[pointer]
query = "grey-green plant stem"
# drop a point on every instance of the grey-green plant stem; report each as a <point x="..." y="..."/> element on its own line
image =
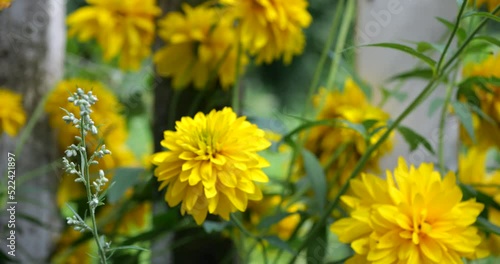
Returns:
<point x="442" y="121"/>
<point x="344" y="30"/>
<point x="360" y="164"/>
<point x="85" y="170"/>
<point x="258" y="239"/>
<point x="450" y="39"/>
<point x="324" y="55"/>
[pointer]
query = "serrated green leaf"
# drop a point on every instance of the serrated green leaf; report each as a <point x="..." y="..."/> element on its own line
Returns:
<point x="317" y="177"/>
<point x="124" y="178"/>
<point x="367" y="124"/>
<point x="465" y="116"/>
<point x="278" y="243"/>
<point x="407" y="50"/>
<point x="212" y="226"/>
<point x="487" y="226"/>
<point x="414" y="139"/>
<point x="268" y="221"/>
<point x="481" y="14"/>
<point x="435" y="105"/>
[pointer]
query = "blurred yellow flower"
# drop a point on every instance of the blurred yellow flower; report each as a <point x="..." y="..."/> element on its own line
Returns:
<point x="211" y="164"/>
<point x="106" y="111"/>
<point x="324" y="141"/>
<point x="414" y="216"/>
<point x="199" y="46"/>
<point x="121" y="27"/>
<point x="12" y="114"/>
<point x="4" y="4"/>
<point x="68" y="252"/>
<point x="131" y="222"/>
<point x="491" y="4"/>
<point x="271" y="29"/>
<point x="267" y="207"/>
<point x="472" y="170"/>
<point x="111" y="125"/>
<point x="486" y="133"/>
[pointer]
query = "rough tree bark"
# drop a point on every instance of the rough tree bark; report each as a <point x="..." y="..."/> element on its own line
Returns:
<point x="32" y="44"/>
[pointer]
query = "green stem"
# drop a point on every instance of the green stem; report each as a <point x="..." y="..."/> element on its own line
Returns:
<point x="442" y="121"/>
<point x="421" y="97"/>
<point x="344" y="30"/>
<point x="324" y="54"/>
<point x="450" y="39"/>
<point x="259" y="240"/>
<point x="85" y="170"/>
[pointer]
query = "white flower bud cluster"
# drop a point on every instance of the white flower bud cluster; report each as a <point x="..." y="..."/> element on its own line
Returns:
<point x="77" y="223"/>
<point x="84" y="101"/>
<point x="100" y="182"/>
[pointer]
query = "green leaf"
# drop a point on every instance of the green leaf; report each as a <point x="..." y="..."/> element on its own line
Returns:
<point x="213" y="226"/>
<point x="406" y="49"/>
<point x="435" y="105"/>
<point x="317" y="177"/>
<point x="316" y="250"/>
<point x="129" y="247"/>
<point x="414" y="139"/>
<point x="278" y="243"/>
<point x="461" y="34"/>
<point x="422" y="73"/>
<point x="354" y="126"/>
<point x="465" y="116"/>
<point x="272" y="219"/>
<point x="481" y="14"/>
<point x="487" y="226"/>
<point x="492" y="40"/>
<point x="469" y="193"/>
<point x="124" y="178"/>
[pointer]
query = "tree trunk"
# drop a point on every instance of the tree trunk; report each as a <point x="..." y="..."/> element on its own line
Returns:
<point x="32" y="46"/>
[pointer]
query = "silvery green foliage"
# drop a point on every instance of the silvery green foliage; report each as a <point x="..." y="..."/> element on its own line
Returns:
<point x="80" y="169"/>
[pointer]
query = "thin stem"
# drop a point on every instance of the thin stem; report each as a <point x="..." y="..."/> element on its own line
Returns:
<point x="442" y="121"/>
<point x="324" y="54"/>
<point x="341" y="40"/>
<point x="259" y="240"/>
<point x="450" y="39"/>
<point x="359" y="166"/>
<point x="85" y="170"/>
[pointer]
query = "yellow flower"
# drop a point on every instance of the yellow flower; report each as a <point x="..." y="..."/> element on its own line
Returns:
<point x="266" y="207"/>
<point x="472" y="170"/>
<point x="12" y="114"/>
<point x="106" y="111"/>
<point x="211" y="164"/>
<point x="120" y="27"/>
<point x="324" y="141"/>
<point x="486" y="133"/>
<point x="414" y="216"/>
<point x="271" y="29"/>
<point x="69" y="252"/>
<point x="199" y="43"/>
<point x="491" y="4"/>
<point x="131" y="222"/>
<point x="5" y="4"/>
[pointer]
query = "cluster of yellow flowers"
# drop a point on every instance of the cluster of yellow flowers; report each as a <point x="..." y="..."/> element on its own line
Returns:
<point x="12" y="114"/>
<point x="211" y="164"/>
<point x="209" y="40"/>
<point x="124" y="28"/>
<point x="414" y="216"/>
<point x="271" y="29"/>
<point x="199" y="44"/>
<point x="486" y="131"/>
<point x="351" y="105"/>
